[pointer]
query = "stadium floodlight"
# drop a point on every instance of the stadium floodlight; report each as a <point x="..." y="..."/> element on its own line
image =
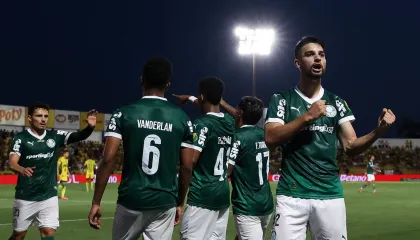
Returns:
<point x="258" y="41"/>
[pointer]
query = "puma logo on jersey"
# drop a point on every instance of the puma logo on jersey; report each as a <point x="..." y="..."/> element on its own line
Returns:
<point x="297" y="109"/>
<point x="31" y="143"/>
<point x="202" y="137"/>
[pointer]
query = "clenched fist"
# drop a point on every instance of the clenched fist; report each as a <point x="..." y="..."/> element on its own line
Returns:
<point x="317" y="110"/>
<point x="386" y="119"/>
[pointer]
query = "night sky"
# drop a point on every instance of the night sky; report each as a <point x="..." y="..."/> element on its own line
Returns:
<point x="79" y="56"/>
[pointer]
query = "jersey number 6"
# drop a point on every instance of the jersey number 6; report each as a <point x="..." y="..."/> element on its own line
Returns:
<point x="148" y="149"/>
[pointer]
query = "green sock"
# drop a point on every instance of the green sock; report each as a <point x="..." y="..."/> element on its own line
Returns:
<point x="91" y="185"/>
<point x="364" y="185"/>
<point x="60" y="186"/>
<point x="87" y="186"/>
<point x="374" y="188"/>
<point x="48" y="238"/>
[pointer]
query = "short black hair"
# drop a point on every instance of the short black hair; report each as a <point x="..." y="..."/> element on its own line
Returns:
<point x="252" y="108"/>
<point x="156" y="73"/>
<point x="306" y="40"/>
<point x="37" y="105"/>
<point x="212" y="89"/>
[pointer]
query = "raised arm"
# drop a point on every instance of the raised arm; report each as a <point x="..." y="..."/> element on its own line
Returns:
<point x="353" y="145"/>
<point x="87" y="131"/>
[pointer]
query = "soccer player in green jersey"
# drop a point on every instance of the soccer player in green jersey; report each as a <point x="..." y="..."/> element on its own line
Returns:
<point x="307" y="122"/>
<point x="207" y="211"/>
<point x="370" y="173"/>
<point x="33" y="156"/>
<point x="157" y="136"/>
<point x="252" y="200"/>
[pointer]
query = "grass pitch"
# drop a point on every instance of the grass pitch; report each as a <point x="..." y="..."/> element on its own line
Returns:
<point x="393" y="213"/>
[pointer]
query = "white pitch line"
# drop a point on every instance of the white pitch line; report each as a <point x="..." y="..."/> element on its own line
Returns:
<point x="61" y="221"/>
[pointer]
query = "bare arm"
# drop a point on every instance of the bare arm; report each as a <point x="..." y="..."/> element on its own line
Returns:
<point x="231" y="110"/>
<point x="277" y="133"/>
<point x="353" y="145"/>
<point x="105" y="168"/>
<point x="185" y="171"/>
<point x="14" y="164"/>
<point x="230" y="169"/>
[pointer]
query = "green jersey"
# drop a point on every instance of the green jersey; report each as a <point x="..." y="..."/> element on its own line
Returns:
<point x="40" y="152"/>
<point x="251" y="192"/>
<point x="153" y="131"/>
<point x="209" y="186"/>
<point x="370" y="169"/>
<point x="309" y="167"/>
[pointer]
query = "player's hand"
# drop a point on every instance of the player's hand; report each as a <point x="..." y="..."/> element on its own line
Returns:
<point x="95" y="216"/>
<point x="27" y="172"/>
<point x="386" y="119"/>
<point x="91" y="118"/>
<point x="178" y="215"/>
<point x="317" y="110"/>
<point x="183" y="99"/>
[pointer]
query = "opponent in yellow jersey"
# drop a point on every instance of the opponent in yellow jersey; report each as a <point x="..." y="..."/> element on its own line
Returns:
<point x="63" y="172"/>
<point x="90" y="173"/>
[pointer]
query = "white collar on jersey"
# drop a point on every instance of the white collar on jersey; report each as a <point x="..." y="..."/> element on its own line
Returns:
<point x="219" y="114"/>
<point x="247" y="126"/>
<point x="310" y="100"/>
<point x="36" y="136"/>
<point x="155" y="97"/>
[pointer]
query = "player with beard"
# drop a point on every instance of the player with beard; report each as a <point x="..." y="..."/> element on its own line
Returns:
<point x="307" y="121"/>
<point x="33" y="155"/>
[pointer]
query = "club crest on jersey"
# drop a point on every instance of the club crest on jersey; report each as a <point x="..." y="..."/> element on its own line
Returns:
<point x="50" y="143"/>
<point x="330" y="111"/>
<point x="195" y="137"/>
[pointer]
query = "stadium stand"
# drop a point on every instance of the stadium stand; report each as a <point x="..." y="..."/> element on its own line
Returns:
<point x="393" y="160"/>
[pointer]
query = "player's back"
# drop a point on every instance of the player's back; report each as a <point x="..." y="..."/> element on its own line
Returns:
<point x="251" y="193"/>
<point x="209" y="185"/>
<point x="153" y="131"/>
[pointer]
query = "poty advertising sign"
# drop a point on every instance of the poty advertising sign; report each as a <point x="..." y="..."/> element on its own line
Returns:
<point x="12" y="115"/>
<point x="66" y="119"/>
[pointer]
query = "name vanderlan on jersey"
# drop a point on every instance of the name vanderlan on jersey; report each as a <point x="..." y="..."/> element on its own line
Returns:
<point x="154" y="125"/>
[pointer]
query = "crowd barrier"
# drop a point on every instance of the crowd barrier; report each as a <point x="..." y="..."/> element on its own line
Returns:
<point x="116" y="178"/>
<point x="74" y="179"/>
<point x="363" y="178"/>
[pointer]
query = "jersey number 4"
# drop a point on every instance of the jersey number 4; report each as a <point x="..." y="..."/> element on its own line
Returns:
<point x="151" y="168"/>
<point x="218" y="167"/>
<point x="259" y="159"/>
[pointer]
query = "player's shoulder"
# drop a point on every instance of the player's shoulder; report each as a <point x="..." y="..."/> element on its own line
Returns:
<point x="284" y="94"/>
<point x="331" y="95"/>
<point x="56" y="132"/>
<point x="21" y="134"/>
<point x="216" y="120"/>
<point x="249" y="132"/>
